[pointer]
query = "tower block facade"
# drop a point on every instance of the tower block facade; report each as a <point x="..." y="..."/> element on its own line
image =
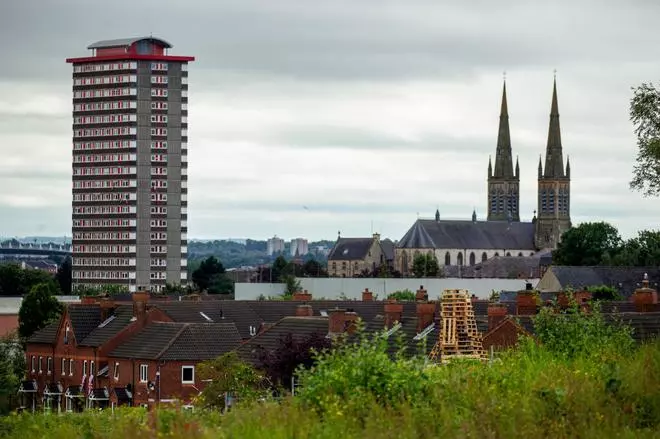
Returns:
<point x="130" y="163"/>
<point x="503" y="182"/>
<point x="554" y="186"/>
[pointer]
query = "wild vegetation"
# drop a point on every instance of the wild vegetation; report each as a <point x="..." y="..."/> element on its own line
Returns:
<point x="582" y="377"/>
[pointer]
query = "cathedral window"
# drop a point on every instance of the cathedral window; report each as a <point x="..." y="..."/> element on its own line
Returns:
<point x="459" y="259"/>
<point x="551" y="200"/>
<point x="544" y="201"/>
<point x="472" y="258"/>
<point x="484" y="256"/>
<point x="447" y="259"/>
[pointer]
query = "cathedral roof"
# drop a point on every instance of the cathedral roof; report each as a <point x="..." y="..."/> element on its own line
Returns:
<point x="486" y="235"/>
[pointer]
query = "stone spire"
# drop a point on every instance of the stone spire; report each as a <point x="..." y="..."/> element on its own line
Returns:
<point x="568" y="166"/>
<point x="490" y="167"/>
<point x="517" y="168"/>
<point x="503" y="159"/>
<point x="554" y="162"/>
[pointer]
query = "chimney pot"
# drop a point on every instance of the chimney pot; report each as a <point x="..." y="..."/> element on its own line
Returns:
<point x="425" y="315"/>
<point x="304" y="311"/>
<point x="367" y="296"/>
<point x="140" y="299"/>
<point x="336" y="321"/>
<point x="645" y="298"/>
<point x="393" y="313"/>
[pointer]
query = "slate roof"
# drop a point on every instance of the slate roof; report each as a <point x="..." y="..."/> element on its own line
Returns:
<point x="350" y="249"/>
<point x="298" y="327"/>
<point x="122" y="42"/>
<point x="238" y="312"/>
<point x="203" y="341"/>
<point x="46" y="335"/>
<point x="100" y="335"/>
<point x="624" y="279"/>
<point x="180" y="341"/>
<point x="388" y="249"/>
<point x="150" y="342"/>
<point x="404" y="337"/>
<point x="84" y="319"/>
<point x="500" y="267"/>
<point x="487" y="235"/>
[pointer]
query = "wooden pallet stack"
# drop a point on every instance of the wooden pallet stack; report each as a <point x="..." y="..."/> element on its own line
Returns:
<point x="459" y="336"/>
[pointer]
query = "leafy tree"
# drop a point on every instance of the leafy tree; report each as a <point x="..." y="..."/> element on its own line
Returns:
<point x="604" y="292"/>
<point x="291" y="285"/>
<point x="645" y="116"/>
<point x="313" y="268"/>
<point x="15" y="281"/>
<point x="595" y="243"/>
<point x="577" y="333"/>
<point x="211" y="277"/>
<point x="281" y="363"/>
<point x="425" y="265"/>
<point x="643" y="250"/>
<point x="174" y="288"/>
<point x="94" y="291"/>
<point x="39" y="308"/>
<point x="229" y="374"/>
<point x="12" y="368"/>
<point x="403" y="295"/>
<point x="280" y="268"/>
<point x="63" y="276"/>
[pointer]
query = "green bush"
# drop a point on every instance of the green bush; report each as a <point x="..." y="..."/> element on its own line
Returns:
<point x="403" y="295"/>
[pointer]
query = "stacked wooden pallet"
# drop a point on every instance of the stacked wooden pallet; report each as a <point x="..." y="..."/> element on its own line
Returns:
<point x="459" y="336"/>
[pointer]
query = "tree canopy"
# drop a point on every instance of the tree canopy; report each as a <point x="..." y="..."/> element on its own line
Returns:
<point x="645" y="116"/>
<point x="425" y="265"/>
<point x="211" y="277"/>
<point x="16" y="281"/>
<point x="39" y="308"/>
<point x="599" y="243"/>
<point x="64" y="276"/>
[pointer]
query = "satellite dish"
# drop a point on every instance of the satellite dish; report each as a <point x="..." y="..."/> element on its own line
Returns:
<point x="151" y="386"/>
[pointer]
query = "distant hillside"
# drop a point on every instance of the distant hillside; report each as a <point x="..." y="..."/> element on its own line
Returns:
<point x="234" y="254"/>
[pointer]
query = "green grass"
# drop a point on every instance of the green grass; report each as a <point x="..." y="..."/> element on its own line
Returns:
<point x="529" y="393"/>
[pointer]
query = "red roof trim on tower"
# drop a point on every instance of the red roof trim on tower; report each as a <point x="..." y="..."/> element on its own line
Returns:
<point x="128" y="56"/>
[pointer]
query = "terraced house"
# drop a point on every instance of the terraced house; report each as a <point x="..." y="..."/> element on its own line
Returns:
<point x="146" y="352"/>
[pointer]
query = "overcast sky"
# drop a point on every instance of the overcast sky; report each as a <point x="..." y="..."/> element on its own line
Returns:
<point x="309" y="117"/>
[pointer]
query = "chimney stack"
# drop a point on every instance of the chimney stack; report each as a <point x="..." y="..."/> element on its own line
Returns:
<point x="304" y="310"/>
<point x="393" y="313"/>
<point x="336" y="320"/>
<point x="497" y="312"/>
<point x="140" y="299"/>
<point x="526" y="302"/>
<point x="645" y="298"/>
<point x="303" y="296"/>
<point x="421" y="294"/>
<point x="425" y="315"/>
<point x="367" y="296"/>
<point x="107" y="305"/>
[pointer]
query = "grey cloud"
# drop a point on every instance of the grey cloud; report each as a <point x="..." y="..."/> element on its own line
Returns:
<point x="343" y="39"/>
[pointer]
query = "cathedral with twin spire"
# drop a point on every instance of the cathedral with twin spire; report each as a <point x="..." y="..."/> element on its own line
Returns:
<point x="468" y="242"/>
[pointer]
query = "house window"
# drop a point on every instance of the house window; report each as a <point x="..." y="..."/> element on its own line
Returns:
<point x="66" y="334"/>
<point x="34" y="363"/>
<point x="63" y="366"/>
<point x="144" y="373"/>
<point x="71" y="366"/>
<point x="84" y="368"/>
<point x="49" y="365"/>
<point x="187" y="374"/>
<point x="116" y="373"/>
<point x="41" y="367"/>
<point x="91" y="368"/>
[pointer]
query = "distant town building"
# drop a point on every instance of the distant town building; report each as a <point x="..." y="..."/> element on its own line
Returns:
<point x="274" y="245"/>
<point x="130" y="164"/>
<point x="299" y="247"/>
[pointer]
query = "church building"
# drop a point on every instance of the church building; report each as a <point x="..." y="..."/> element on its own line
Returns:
<point x="468" y="242"/>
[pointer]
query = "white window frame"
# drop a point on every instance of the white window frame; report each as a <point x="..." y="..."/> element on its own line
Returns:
<point x="144" y="373"/>
<point x="91" y="368"/>
<point x="84" y="371"/>
<point x="41" y="364"/>
<point x="183" y="381"/>
<point x="49" y="365"/>
<point x="115" y="373"/>
<point x="70" y="367"/>
<point x="63" y="366"/>
<point x="33" y="363"/>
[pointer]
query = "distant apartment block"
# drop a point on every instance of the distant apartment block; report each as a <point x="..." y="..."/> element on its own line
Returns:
<point x="299" y="247"/>
<point x="130" y="163"/>
<point x="274" y="245"/>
